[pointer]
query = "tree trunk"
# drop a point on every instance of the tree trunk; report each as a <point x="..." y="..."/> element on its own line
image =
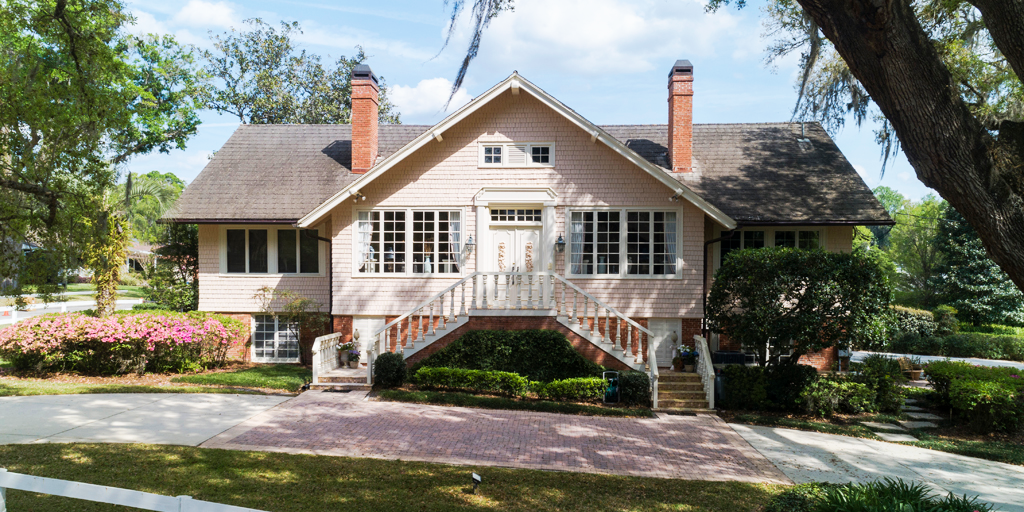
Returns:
<point x="888" y="51"/>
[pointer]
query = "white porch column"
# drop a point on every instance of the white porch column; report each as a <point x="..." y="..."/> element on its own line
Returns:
<point x="483" y="248"/>
<point x="547" y="250"/>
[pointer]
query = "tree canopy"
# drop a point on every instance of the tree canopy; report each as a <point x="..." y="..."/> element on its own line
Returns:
<point x="261" y="77"/>
<point x="765" y="298"/>
<point x="944" y="76"/>
<point x="78" y="96"/>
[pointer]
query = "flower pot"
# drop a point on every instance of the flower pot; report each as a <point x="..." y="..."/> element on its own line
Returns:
<point x="343" y="357"/>
<point x="353" y="364"/>
<point x="688" y="368"/>
<point x="916" y="374"/>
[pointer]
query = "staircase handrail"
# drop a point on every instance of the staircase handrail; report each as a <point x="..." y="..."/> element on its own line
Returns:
<point x="424" y="304"/>
<point x="321" y="345"/>
<point x="705" y="368"/>
<point x="605" y="306"/>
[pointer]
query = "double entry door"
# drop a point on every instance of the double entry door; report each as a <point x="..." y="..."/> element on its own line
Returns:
<point x="515" y="249"/>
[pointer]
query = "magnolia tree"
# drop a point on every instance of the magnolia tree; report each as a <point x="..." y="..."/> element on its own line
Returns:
<point x="775" y="299"/>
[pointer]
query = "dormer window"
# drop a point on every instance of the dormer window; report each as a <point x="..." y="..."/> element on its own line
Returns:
<point x="517" y="154"/>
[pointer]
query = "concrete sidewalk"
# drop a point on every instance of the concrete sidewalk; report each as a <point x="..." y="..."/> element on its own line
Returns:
<point x="812" y="456"/>
<point x="182" y="419"/>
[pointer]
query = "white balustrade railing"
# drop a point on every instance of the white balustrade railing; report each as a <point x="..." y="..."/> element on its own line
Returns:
<point x="705" y="368"/>
<point x="325" y="355"/>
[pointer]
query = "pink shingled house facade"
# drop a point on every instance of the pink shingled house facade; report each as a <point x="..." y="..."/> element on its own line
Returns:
<point x="515" y="212"/>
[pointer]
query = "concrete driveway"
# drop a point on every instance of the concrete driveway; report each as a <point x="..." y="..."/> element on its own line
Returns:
<point x="182" y="419"/>
<point x="812" y="456"/>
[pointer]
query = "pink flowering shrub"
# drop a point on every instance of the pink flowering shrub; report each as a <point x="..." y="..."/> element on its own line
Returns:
<point x="122" y="343"/>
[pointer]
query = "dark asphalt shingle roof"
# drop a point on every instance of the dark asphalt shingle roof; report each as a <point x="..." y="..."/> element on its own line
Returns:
<point x="752" y="172"/>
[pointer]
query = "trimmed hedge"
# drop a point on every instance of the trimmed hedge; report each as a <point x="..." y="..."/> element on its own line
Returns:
<point x="540" y="355"/>
<point x="828" y="395"/>
<point x="474" y="381"/>
<point x="971" y="344"/>
<point x="913" y="320"/>
<point x="389" y="370"/>
<point x="988" y="399"/>
<point x="125" y="342"/>
<point x="775" y="387"/>
<point x="580" y="389"/>
<point x="635" y="388"/>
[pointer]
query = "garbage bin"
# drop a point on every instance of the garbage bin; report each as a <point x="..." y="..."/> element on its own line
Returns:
<point x="611" y="393"/>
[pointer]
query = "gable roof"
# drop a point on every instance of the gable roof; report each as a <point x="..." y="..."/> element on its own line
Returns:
<point x="760" y="173"/>
<point x="515" y="83"/>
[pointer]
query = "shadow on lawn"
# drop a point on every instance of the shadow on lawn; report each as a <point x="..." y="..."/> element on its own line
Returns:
<point x="281" y="482"/>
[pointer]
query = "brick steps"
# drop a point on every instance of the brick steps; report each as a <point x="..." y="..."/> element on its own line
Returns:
<point x="342" y="386"/>
<point x="680" y="392"/>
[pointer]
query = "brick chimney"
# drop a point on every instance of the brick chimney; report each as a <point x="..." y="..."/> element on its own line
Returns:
<point x="680" y="116"/>
<point x="364" y="118"/>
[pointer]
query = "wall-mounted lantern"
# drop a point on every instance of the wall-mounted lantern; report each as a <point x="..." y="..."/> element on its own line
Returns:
<point x="470" y="244"/>
<point x="560" y="244"/>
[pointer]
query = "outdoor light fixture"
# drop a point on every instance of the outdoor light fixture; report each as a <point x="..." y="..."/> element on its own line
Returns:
<point x="476" y="482"/>
<point x="675" y="337"/>
<point x="355" y="334"/>
<point x="470" y="244"/>
<point x="560" y="244"/>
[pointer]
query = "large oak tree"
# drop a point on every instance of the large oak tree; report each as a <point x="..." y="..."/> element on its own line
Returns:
<point x="919" y="64"/>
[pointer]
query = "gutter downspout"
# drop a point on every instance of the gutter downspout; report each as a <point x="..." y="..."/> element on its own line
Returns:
<point x="704" y="296"/>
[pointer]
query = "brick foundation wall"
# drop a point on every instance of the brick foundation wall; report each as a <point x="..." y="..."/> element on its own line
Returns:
<point x="510" y="323"/>
<point x="240" y="351"/>
<point x="690" y="328"/>
<point x="821" y="360"/>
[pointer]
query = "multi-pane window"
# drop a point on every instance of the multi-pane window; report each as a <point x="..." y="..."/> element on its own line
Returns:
<point x="650" y="243"/>
<point x="492" y="154"/>
<point x="297" y="251"/>
<point x="753" y="239"/>
<point x="595" y="242"/>
<point x="808" y="240"/>
<point x="275" y="340"/>
<point x="517" y="154"/>
<point x="388" y="241"/>
<point x="799" y="239"/>
<point x="281" y="251"/>
<point x="741" y="240"/>
<point x="247" y="256"/>
<point x="785" y="239"/>
<point x="515" y="215"/>
<point x="541" y="154"/>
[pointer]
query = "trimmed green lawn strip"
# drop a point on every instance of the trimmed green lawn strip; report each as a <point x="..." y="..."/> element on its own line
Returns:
<point x="22" y="387"/>
<point x="277" y="376"/>
<point x="488" y="402"/>
<point x="280" y="482"/>
<point x="801" y="424"/>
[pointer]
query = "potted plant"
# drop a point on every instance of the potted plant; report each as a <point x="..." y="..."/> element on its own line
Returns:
<point x="344" y="352"/>
<point x="677" y="364"/>
<point x="689" y="357"/>
<point x="353" y="358"/>
<point x="916" y="368"/>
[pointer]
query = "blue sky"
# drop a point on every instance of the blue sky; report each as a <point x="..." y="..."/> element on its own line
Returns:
<point x="607" y="59"/>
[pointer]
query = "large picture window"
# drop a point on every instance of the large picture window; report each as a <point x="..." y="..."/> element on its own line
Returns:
<point x="409" y="242"/>
<point x="274" y="340"/>
<point x="597" y="246"/>
<point x="275" y="251"/>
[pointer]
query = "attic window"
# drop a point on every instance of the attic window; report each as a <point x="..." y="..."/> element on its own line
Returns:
<point x="517" y="154"/>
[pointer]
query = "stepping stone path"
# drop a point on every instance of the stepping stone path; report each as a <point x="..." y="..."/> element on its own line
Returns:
<point x="884" y="426"/>
<point x="912" y="408"/>
<point x="917" y="424"/>
<point x="896" y="438"/>
<point x="910" y="400"/>
<point x="923" y="416"/>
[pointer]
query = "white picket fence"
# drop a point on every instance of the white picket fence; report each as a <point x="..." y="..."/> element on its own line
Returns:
<point x="103" y="494"/>
<point x="10" y="314"/>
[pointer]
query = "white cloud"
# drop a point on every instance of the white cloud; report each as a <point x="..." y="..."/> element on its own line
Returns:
<point x="425" y="102"/>
<point x="905" y="176"/>
<point x="347" y="38"/>
<point x="197" y="13"/>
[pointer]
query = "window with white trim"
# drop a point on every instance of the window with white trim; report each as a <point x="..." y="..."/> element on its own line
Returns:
<point x="756" y="239"/>
<point x="515" y="215"/>
<point x="271" y="251"/>
<point x="597" y="245"/>
<point x="409" y="242"/>
<point x="274" y="340"/>
<point x="517" y="154"/>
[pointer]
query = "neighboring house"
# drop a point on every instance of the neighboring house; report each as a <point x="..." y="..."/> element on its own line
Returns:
<point x="518" y="195"/>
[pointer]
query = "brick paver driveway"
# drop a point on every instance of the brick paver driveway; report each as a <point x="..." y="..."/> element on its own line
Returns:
<point x="690" y="447"/>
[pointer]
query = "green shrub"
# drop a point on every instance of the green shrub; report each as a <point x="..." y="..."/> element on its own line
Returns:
<point x="745" y="387"/>
<point x="539" y="355"/>
<point x="989" y="399"/>
<point x="634" y="388"/>
<point x="475" y="381"/>
<point x="150" y="306"/>
<point x="940" y="375"/>
<point x="389" y="370"/>
<point x="945" y="321"/>
<point x="913" y="320"/>
<point x="785" y="382"/>
<point x="828" y="395"/>
<point x="883" y="376"/>
<point x="799" y="498"/>
<point x="580" y="389"/>
<point x="892" y="495"/>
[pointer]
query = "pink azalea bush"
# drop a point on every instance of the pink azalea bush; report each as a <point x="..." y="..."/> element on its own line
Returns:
<point x="121" y="343"/>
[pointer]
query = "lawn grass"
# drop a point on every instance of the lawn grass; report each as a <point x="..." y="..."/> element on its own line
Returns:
<point x="490" y="402"/>
<point x="23" y="387"/>
<point x="280" y="482"/>
<point x="991" y="449"/>
<point x="288" y="377"/>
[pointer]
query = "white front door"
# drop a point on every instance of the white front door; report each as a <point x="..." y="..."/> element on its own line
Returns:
<point x="516" y="249"/>
<point x="662" y="329"/>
